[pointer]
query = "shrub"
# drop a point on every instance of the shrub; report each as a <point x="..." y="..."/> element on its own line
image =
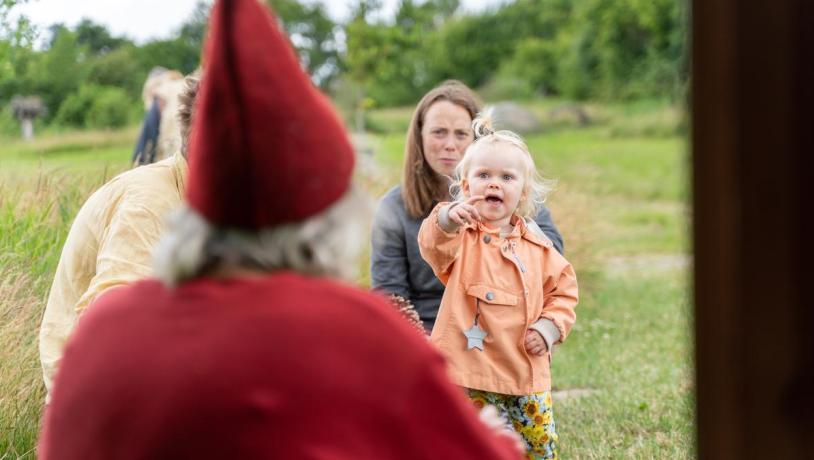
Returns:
<point x="73" y="109"/>
<point x="95" y="106"/>
<point x="534" y="62"/>
<point x="110" y="109"/>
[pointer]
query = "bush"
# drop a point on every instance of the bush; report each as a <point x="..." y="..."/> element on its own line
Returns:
<point x="505" y="85"/>
<point x="73" y="109"/>
<point x="118" y="68"/>
<point x="95" y="106"/>
<point x="110" y="109"/>
<point x="535" y="62"/>
<point x="9" y="126"/>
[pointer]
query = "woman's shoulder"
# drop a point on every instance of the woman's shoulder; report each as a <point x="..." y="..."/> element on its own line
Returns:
<point x="393" y="196"/>
<point x="390" y="211"/>
<point x="392" y="200"/>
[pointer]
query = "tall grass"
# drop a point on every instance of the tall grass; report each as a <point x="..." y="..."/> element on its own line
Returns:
<point x="33" y="224"/>
<point x="42" y="185"/>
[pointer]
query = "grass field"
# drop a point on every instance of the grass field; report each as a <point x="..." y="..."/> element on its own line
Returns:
<point x="624" y="378"/>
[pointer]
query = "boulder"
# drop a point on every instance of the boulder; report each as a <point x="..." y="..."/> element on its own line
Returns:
<point x="512" y="116"/>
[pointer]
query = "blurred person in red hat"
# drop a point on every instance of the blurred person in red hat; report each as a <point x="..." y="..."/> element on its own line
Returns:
<point x="248" y="346"/>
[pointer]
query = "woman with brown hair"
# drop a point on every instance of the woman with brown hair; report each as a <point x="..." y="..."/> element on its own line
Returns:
<point x="439" y="133"/>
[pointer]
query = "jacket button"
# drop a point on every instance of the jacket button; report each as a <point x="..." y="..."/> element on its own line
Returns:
<point x="490" y="296"/>
<point x="487" y="239"/>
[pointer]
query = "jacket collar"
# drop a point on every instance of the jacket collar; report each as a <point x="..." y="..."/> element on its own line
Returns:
<point x="522" y="229"/>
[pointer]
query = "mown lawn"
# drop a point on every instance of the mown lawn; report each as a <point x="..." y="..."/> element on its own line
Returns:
<point x="624" y="377"/>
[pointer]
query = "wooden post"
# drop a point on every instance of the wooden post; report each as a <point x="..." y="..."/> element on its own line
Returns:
<point x="753" y="174"/>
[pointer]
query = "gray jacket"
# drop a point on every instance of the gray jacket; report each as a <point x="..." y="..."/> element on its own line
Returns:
<point x="396" y="266"/>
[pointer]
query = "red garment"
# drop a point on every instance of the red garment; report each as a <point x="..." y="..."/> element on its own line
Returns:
<point x="267" y="148"/>
<point x="281" y="366"/>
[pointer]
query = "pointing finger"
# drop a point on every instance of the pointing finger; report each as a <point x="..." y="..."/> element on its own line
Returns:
<point x="475" y="214"/>
<point x="474" y="199"/>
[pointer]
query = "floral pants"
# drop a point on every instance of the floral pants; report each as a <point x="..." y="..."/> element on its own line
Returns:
<point x="531" y="416"/>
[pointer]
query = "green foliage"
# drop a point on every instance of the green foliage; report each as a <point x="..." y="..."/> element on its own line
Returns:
<point x="75" y="107"/>
<point x="96" y="39"/>
<point x="86" y="76"/>
<point x="612" y="50"/>
<point x="536" y="63"/>
<point x="605" y="49"/>
<point x="119" y="68"/>
<point x="392" y="61"/>
<point x="505" y="84"/>
<point x="386" y="62"/>
<point x="633" y="48"/>
<point x="314" y="35"/>
<point x="14" y="37"/>
<point x="9" y="126"/>
<point x="95" y="106"/>
<point x="181" y="53"/>
<point x="60" y="71"/>
<point x="110" y="109"/>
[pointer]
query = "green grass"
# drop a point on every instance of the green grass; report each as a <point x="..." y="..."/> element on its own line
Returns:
<point x="621" y="203"/>
<point x="42" y="185"/>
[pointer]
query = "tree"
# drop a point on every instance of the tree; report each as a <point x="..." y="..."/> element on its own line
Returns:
<point x="636" y="46"/>
<point x="58" y="71"/>
<point x="15" y="40"/>
<point x="314" y="35"/>
<point x="391" y="61"/>
<point x="182" y="53"/>
<point x="96" y="38"/>
<point x="118" y="68"/>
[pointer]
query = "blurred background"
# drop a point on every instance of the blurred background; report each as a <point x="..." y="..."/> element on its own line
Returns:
<point x="597" y="88"/>
<point x="365" y="52"/>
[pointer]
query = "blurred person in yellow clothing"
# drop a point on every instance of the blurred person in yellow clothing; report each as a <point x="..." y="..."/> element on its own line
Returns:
<point x="111" y="240"/>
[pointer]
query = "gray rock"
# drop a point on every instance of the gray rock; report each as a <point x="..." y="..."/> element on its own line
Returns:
<point x="511" y="116"/>
<point x="572" y="113"/>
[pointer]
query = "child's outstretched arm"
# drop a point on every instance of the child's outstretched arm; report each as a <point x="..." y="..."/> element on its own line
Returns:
<point x="439" y="238"/>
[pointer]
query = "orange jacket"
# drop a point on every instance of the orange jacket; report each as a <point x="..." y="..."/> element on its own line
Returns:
<point x="517" y="280"/>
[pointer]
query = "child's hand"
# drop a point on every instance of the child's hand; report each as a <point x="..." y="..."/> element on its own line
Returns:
<point x="465" y="212"/>
<point x="535" y="343"/>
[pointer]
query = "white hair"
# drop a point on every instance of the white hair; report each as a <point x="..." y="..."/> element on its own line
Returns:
<point x="535" y="186"/>
<point x="326" y="244"/>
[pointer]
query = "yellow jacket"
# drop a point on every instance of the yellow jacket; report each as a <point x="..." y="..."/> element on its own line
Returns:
<point x="110" y="244"/>
<point x="515" y="281"/>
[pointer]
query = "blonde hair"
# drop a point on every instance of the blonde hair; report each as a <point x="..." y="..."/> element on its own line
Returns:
<point x="420" y="185"/>
<point x="535" y="187"/>
<point x="157" y="77"/>
<point x="186" y="107"/>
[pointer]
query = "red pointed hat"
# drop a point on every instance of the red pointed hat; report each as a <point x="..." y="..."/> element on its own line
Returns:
<point x="267" y="148"/>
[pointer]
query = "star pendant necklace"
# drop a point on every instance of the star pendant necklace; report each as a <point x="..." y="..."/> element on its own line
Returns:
<point x="475" y="335"/>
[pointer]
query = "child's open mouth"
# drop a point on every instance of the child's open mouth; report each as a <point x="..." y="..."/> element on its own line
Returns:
<point x="494" y="200"/>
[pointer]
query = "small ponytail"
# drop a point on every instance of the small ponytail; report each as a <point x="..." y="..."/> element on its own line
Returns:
<point x="483" y="124"/>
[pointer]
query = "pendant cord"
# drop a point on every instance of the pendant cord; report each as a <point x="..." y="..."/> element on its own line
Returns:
<point x="477" y="310"/>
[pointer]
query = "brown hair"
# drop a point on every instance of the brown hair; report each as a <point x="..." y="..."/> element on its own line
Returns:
<point x="186" y="106"/>
<point x="420" y="185"/>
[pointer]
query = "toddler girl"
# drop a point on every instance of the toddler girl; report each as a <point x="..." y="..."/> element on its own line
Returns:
<point x="510" y="296"/>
